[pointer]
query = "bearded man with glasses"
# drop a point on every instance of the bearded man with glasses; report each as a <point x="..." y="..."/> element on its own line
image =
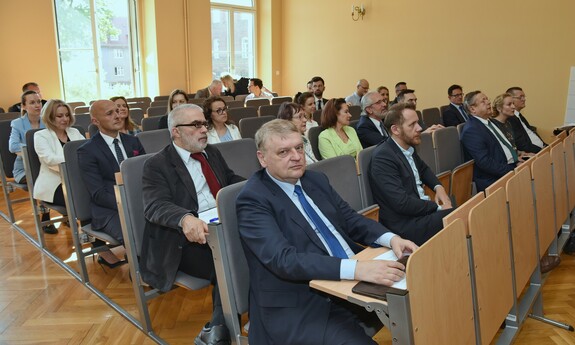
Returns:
<point x="179" y="183"/>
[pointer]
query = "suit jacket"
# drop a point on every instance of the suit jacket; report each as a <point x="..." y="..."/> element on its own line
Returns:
<point x="284" y="253"/>
<point x="452" y="116"/>
<point x="520" y="135"/>
<point x="368" y="133"/>
<point x="480" y="144"/>
<point x="168" y="192"/>
<point x="393" y="186"/>
<point x="98" y="166"/>
<point x="202" y="93"/>
<point x="50" y="153"/>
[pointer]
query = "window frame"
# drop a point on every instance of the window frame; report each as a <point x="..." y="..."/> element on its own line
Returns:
<point x="232" y="9"/>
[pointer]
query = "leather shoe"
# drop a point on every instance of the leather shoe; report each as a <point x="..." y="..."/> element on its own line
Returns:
<point x="50" y="229"/>
<point x="214" y="335"/>
<point x="549" y="262"/>
<point x="570" y="245"/>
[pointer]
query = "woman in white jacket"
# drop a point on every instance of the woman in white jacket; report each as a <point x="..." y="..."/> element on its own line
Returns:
<point x="220" y="127"/>
<point x="58" y="118"/>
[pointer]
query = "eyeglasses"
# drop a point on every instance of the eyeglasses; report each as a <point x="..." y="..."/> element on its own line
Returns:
<point x="378" y="102"/>
<point x="457" y="95"/>
<point x="197" y="124"/>
<point x="220" y="111"/>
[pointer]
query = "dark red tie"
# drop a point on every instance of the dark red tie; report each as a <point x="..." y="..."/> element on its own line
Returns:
<point x="208" y="173"/>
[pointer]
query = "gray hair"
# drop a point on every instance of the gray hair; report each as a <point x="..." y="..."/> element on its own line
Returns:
<point x="175" y="116"/>
<point x="469" y="99"/>
<point x="277" y="127"/>
<point x="368" y="100"/>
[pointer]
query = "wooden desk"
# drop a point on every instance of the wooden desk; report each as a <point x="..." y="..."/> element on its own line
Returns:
<point x="399" y="323"/>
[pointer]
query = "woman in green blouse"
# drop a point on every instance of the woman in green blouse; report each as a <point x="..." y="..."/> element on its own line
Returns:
<point x="338" y="138"/>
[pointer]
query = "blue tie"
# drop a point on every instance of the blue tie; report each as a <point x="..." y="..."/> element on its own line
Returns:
<point x="332" y="242"/>
<point x="463" y="113"/>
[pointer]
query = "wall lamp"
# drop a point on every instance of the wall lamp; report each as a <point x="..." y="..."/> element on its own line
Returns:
<point x="357" y="12"/>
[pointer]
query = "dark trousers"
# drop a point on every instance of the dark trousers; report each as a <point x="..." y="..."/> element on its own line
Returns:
<point x="198" y="262"/>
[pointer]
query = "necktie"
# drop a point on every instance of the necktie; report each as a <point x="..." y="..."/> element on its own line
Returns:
<point x="332" y="242"/>
<point x="503" y="141"/>
<point x="383" y="130"/>
<point x="119" y="154"/>
<point x="463" y="113"/>
<point x="211" y="179"/>
<point x="319" y="105"/>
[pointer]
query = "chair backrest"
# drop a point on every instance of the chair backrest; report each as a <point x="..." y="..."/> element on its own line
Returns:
<point x="159" y="104"/>
<point x="559" y="184"/>
<point x="280" y="100"/>
<point x="256" y="103"/>
<point x="448" y="152"/>
<point x="443" y="109"/>
<point x="238" y="266"/>
<point x="132" y="170"/>
<point x="2" y="110"/>
<point x="241" y="98"/>
<point x="155" y="140"/>
<point x="240" y="156"/>
<point x="236" y="114"/>
<point x="83" y="109"/>
<point x="235" y="104"/>
<point x="74" y="105"/>
<point x="8" y="157"/>
<point x="342" y="174"/>
<point x="137" y="115"/>
<point x="462" y="182"/>
<point x="150" y="123"/>
<point x="157" y="111"/>
<point x="83" y="120"/>
<point x="75" y="186"/>
<point x="542" y="175"/>
<point x="250" y="125"/>
<point x="33" y="161"/>
<point x="313" y="136"/>
<point x="161" y="98"/>
<point x="93" y="130"/>
<point x="355" y="111"/>
<point x="460" y="128"/>
<point x="317" y="116"/>
<point x="353" y="124"/>
<point x="426" y="152"/>
<point x="197" y="101"/>
<point x="431" y="116"/>
<point x="11" y="115"/>
<point x="269" y="110"/>
<point x="363" y="163"/>
<point x="227" y="98"/>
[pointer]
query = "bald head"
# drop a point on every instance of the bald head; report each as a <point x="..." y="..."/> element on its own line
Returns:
<point x="105" y="115"/>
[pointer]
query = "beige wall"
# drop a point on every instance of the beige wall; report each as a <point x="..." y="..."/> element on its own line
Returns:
<point x="28" y="41"/>
<point x="488" y="45"/>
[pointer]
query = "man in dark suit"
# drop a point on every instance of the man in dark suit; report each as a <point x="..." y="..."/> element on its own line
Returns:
<point x="31" y="86"/>
<point x="493" y="157"/>
<point x="99" y="159"/>
<point x="397" y="175"/>
<point x="179" y="183"/>
<point x="456" y="113"/>
<point x="318" y="87"/>
<point x="370" y="129"/>
<point x="294" y="228"/>
<point x="525" y="135"/>
<point x="400" y="86"/>
<point x="214" y="89"/>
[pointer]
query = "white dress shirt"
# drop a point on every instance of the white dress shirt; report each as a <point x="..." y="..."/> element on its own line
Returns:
<point x="110" y="142"/>
<point x="205" y="198"/>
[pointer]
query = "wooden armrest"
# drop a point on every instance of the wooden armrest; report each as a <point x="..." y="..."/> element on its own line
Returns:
<point x="371" y="212"/>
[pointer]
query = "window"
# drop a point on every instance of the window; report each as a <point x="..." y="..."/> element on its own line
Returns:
<point x="97" y="46"/>
<point x="233" y="38"/>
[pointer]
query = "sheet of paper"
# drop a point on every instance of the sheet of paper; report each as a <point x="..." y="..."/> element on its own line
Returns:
<point x="209" y="216"/>
<point x="390" y="255"/>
